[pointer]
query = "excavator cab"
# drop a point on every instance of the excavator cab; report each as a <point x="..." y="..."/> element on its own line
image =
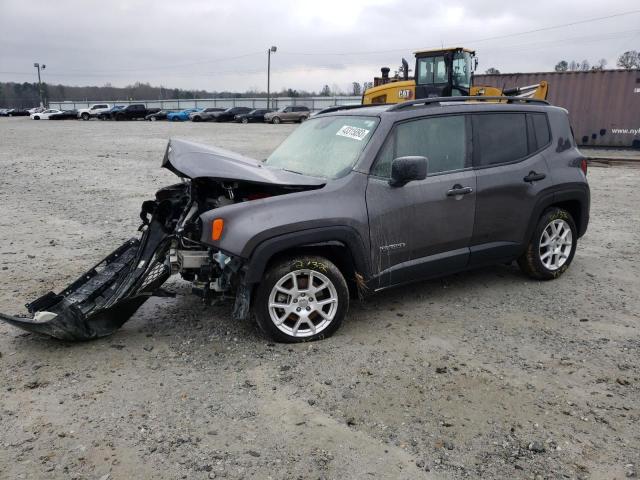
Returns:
<point x="444" y="73"/>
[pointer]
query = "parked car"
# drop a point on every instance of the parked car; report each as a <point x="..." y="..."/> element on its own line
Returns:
<point x="64" y="115"/>
<point x="13" y="112"/>
<point x="204" y="115"/>
<point x="292" y="113"/>
<point x="182" y="115"/>
<point x="93" y="111"/>
<point x="229" y="114"/>
<point x="161" y="115"/>
<point x="45" y="114"/>
<point x="351" y="202"/>
<point x="256" y="115"/>
<point x="135" y="111"/>
<point x="108" y="114"/>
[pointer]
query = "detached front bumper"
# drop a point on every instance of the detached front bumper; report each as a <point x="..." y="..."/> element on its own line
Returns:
<point x="105" y="297"/>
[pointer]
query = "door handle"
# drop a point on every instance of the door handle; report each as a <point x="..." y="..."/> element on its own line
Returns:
<point x="534" y="177"/>
<point x="459" y="190"/>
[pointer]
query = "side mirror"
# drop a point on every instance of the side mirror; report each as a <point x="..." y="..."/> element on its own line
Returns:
<point x="407" y="169"/>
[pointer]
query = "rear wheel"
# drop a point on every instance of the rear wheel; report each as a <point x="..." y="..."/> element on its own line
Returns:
<point x="552" y="246"/>
<point x="301" y="299"/>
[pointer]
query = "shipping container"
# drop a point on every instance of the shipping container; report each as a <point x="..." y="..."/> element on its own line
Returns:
<point x="604" y="106"/>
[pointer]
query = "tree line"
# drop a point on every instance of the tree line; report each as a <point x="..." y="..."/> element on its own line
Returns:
<point x="27" y="95"/>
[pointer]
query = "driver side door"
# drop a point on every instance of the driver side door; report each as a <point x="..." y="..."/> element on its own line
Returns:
<point x="424" y="228"/>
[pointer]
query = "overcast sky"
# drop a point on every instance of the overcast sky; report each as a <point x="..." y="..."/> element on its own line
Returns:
<point x="222" y="45"/>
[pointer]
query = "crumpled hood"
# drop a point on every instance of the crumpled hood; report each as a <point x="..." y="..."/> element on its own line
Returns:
<point x="192" y="160"/>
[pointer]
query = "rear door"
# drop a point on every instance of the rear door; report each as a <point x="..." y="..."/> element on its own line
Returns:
<point x="423" y="228"/>
<point x="511" y="175"/>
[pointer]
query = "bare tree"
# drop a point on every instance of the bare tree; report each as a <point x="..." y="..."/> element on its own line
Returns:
<point x="357" y="89"/>
<point x="629" y="60"/>
<point x="492" y="71"/>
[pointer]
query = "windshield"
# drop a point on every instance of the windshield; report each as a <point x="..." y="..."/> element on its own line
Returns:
<point x="324" y="147"/>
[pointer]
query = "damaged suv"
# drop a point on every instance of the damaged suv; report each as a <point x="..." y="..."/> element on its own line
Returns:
<point x="353" y="201"/>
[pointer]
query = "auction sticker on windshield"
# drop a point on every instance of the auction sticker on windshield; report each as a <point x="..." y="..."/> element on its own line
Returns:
<point x="353" y="132"/>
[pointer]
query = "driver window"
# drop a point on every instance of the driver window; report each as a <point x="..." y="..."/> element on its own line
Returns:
<point x="432" y="70"/>
<point x="441" y="139"/>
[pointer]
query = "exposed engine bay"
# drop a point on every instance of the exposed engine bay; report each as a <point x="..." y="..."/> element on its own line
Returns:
<point x="171" y="242"/>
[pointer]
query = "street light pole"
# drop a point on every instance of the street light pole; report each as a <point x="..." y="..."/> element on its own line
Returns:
<point x="37" y="65"/>
<point x="272" y="49"/>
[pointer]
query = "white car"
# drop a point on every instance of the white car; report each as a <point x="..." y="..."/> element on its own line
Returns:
<point x="44" y="115"/>
<point x="93" y="110"/>
<point x="36" y="110"/>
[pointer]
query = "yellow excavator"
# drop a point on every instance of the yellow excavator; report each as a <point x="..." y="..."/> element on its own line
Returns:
<point x="446" y="72"/>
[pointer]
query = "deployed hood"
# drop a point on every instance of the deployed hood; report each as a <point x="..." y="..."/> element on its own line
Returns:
<point x="191" y="160"/>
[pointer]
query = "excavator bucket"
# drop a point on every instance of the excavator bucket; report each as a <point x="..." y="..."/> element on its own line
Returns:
<point x="105" y="297"/>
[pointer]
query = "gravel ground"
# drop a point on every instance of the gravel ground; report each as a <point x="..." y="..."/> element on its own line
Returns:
<point x="480" y="375"/>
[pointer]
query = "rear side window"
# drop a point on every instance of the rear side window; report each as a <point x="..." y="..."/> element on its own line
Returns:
<point x="442" y="140"/>
<point x="540" y="129"/>
<point x="499" y="138"/>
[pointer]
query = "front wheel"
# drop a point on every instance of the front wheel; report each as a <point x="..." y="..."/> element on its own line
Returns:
<point x="276" y="120"/>
<point x="552" y="246"/>
<point x="85" y="116"/>
<point x="245" y="120"/>
<point x="301" y="299"/>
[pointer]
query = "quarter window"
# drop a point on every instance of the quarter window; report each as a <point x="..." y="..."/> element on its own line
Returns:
<point x="441" y="139"/>
<point x="541" y="129"/>
<point x="499" y="138"/>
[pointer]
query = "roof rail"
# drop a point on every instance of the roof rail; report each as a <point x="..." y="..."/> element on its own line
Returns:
<point x="440" y="100"/>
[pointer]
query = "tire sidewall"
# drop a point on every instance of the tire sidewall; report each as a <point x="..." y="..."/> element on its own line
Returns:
<point x="276" y="120"/>
<point x="276" y="272"/>
<point x="548" y="217"/>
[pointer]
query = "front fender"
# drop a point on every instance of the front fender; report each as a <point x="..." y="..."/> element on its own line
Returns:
<point x="344" y="235"/>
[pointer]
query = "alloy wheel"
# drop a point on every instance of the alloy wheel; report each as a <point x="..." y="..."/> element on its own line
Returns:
<point x="555" y="244"/>
<point x="303" y="303"/>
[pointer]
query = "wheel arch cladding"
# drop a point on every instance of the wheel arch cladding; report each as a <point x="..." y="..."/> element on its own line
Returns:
<point x="575" y="201"/>
<point x="342" y="245"/>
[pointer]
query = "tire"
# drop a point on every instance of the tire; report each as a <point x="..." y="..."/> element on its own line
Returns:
<point x="196" y="119"/>
<point x="119" y="118"/>
<point x="555" y="232"/>
<point x="36" y="118"/>
<point x="276" y="120"/>
<point x="245" y="120"/>
<point x="85" y="116"/>
<point x="314" y="320"/>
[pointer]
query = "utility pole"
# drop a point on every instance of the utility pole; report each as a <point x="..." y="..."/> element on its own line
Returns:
<point x="37" y="65"/>
<point x="272" y="49"/>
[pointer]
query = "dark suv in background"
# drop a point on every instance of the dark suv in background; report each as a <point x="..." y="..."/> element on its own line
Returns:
<point x="352" y="202"/>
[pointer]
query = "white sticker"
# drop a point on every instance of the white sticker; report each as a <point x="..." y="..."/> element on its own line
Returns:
<point x="353" y="132"/>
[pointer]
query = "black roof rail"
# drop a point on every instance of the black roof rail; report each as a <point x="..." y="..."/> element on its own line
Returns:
<point x="440" y="100"/>
<point x="336" y="108"/>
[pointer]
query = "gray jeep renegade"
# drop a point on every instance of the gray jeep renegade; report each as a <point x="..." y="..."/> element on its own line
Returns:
<point x="353" y="201"/>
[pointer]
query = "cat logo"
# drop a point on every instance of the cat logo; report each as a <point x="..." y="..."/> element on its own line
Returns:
<point x="405" y="93"/>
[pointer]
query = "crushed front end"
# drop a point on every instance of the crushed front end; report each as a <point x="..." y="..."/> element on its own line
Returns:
<point x="171" y="241"/>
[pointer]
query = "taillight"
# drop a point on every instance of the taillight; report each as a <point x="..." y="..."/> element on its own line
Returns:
<point x="583" y="166"/>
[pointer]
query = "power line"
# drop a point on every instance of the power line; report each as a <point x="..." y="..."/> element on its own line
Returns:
<point x="486" y="39"/>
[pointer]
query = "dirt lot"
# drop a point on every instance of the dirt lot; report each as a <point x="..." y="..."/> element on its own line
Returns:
<point x="479" y="375"/>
